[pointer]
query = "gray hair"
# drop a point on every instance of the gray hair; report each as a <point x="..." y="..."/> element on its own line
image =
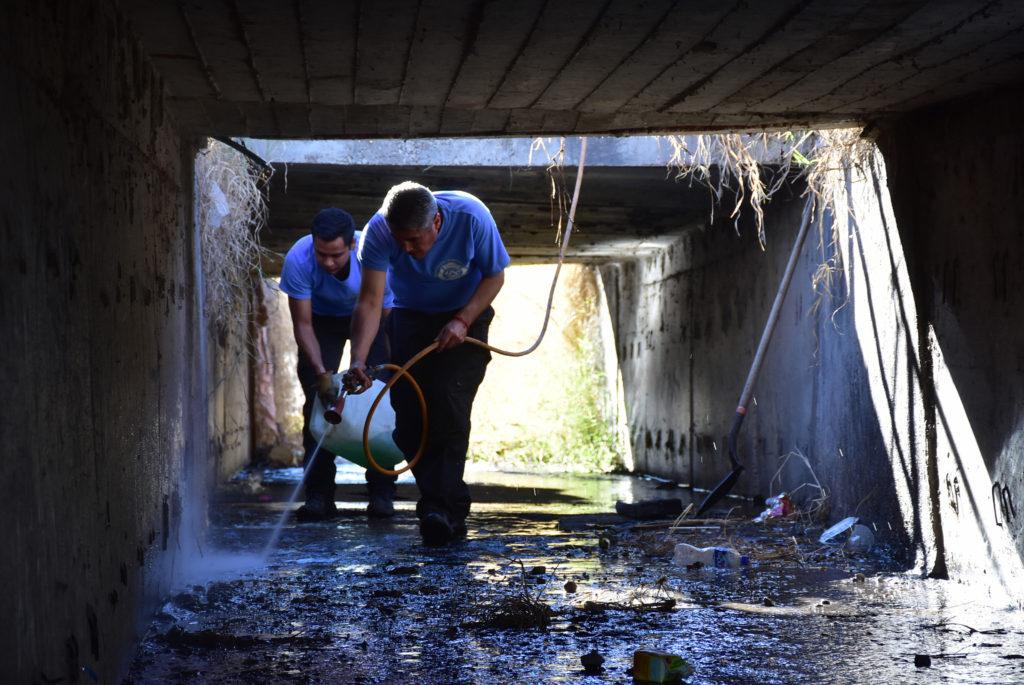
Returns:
<point x="409" y="206"/>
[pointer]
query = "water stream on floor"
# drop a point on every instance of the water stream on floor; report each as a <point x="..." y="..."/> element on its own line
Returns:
<point x="548" y="574"/>
<point x="275" y="534"/>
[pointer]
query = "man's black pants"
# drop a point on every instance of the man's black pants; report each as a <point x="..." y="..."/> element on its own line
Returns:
<point x="332" y="332"/>
<point x="449" y="381"/>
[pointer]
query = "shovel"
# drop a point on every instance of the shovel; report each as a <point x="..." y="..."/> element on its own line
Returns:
<point x="723" y="488"/>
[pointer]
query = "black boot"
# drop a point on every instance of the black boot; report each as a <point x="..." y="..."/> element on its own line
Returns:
<point x="318" y="507"/>
<point x="381" y="487"/>
<point x="436" y="530"/>
<point x="381" y="505"/>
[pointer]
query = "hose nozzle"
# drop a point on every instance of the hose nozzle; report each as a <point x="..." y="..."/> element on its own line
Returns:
<point x="332" y="414"/>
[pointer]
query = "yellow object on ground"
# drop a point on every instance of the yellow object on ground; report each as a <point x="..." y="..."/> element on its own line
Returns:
<point x="659" y="667"/>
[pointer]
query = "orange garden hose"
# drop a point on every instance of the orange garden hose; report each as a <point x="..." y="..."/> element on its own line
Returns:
<point x="404" y="369"/>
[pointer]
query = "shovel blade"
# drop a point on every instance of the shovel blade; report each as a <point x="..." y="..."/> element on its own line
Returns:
<point x="721" y="490"/>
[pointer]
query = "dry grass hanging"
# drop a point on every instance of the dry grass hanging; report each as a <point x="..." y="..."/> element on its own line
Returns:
<point x="231" y="209"/>
<point x="838" y="156"/>
<point x="752" y="167"/>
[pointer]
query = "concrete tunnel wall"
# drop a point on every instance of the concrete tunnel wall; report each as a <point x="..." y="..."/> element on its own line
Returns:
<point x="957" y="181"/>
<point x="103" y="416"/>
<point x="904" y="391"/>
<point x="688" y="324"/>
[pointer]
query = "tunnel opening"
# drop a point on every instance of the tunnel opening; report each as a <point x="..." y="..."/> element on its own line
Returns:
<point x="357" y="601"/>
<point x="521" y="591"/>
<point x="635" y="209"/>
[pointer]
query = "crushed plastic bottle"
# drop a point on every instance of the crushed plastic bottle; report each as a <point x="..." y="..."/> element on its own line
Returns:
<point x="861" y="539"/>
<point x="778" y="506"/>
<point x="688" y="556"/>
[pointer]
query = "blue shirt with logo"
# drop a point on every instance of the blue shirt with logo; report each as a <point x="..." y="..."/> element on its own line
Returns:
<point x="467" y="249"/>
<point x="303" y="279"/>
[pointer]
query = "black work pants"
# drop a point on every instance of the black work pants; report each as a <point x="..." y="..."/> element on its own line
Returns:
<point x="449" y="381"/>
<point x="332" y="332"/>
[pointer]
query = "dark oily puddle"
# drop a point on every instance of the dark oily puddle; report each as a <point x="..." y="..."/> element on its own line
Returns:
<point x="548" y="574"/>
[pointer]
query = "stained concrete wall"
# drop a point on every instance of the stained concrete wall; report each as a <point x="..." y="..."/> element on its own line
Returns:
<point x="956" y="182"/>
<point x="102" y="413"/>
<point x="229" y="371"/>
<point x="903" y="388"/>
<point x="688" y="324"/>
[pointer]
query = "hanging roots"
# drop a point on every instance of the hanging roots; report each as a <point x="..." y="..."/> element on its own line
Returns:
<point x="752" y="167"/>
<point x="231" y="210"/>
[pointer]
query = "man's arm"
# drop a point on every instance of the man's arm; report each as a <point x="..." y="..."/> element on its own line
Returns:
<point x="366" y="320"/>
<point x="454" y="332"/>
<point x="302" y="326"/>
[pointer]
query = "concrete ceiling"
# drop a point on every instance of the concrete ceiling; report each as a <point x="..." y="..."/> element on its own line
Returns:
<point x="413" y="69"/>
<point x="450" y="68"/>
<point x="632" y="201"/>
<point x="623" y="211"/>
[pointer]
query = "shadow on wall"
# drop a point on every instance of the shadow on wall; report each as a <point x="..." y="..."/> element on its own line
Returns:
<point x="944" y="488"/>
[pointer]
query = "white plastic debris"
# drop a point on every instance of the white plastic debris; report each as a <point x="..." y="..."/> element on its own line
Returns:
<point x="838" y="528"/>
<point x="861" y="539"/>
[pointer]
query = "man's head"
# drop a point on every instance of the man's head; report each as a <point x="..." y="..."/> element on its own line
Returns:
<point x="411" y="213"/>
<point x="333" y="239"/>
<point x="332" y="223"/>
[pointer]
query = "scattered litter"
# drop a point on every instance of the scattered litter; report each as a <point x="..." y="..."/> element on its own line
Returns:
<point x="922" y="660"/>
<point x="660" y="667"/>
<point x="815" y="508"/>
<point x="838" y="528"/>
<point x="688" y="556"/>
<point x="778" y="506"/>
<point x="861" y="539"/>
<point x="570" y="586"/>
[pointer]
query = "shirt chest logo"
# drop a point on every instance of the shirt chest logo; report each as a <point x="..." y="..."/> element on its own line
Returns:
<point x="451" y="270"/>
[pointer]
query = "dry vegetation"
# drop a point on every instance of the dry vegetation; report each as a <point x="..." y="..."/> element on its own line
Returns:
<point x="231" y="209"/>
<point x="751" y="168"/>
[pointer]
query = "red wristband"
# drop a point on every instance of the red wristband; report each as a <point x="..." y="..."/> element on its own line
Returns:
<point x="461" y="320"/>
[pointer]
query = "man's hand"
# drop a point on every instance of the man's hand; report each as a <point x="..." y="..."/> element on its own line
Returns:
<point x="356" y="379"/>
<point x="325" y="389"/>
<point x="452" y="335"/>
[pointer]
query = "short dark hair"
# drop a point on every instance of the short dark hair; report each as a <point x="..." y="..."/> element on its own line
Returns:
<point x="409" y="206"/>
<point x="332" y="223"/>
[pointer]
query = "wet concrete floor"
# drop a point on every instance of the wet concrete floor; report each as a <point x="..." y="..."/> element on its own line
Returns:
<point x="547" y="574"/>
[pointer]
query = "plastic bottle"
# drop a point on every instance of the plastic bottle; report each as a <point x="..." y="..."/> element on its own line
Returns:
<point x="710" y="557"/>
<point x="861" y="539"/>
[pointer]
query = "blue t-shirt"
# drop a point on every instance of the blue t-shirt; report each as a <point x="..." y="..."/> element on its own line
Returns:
<point x="468" y="248"/>
<point x="303" y="279"/>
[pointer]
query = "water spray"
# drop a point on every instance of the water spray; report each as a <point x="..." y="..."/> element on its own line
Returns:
<point x="275" y="535"/>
